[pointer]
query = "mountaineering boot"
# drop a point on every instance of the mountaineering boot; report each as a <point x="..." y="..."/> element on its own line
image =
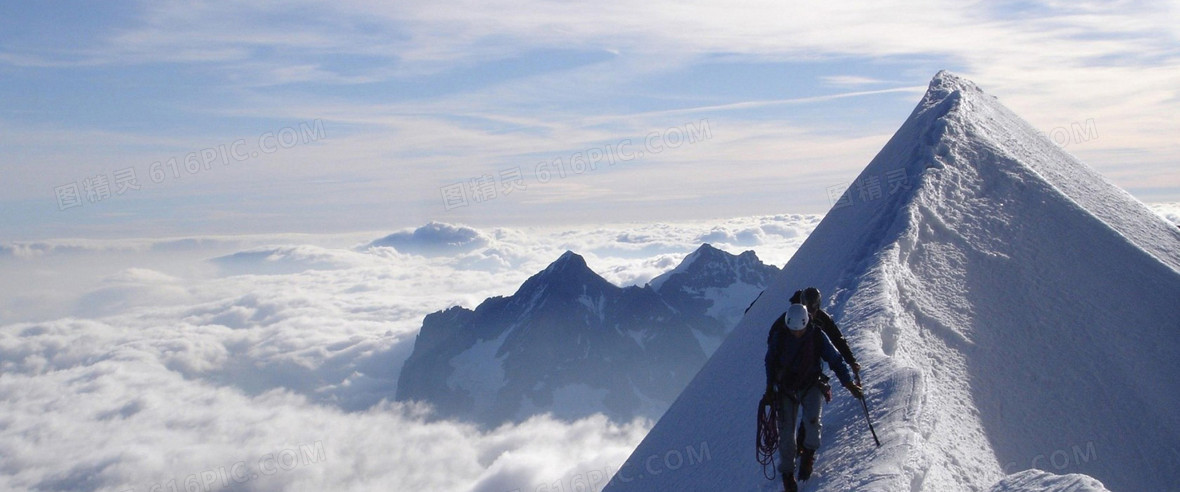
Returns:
<point x="789" y="484"/>
<point x="806" y="462"/>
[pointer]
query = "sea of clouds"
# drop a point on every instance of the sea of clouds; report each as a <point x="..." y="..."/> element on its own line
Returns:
<point x="1169" y="211"/>
<point x="271" y="362"/>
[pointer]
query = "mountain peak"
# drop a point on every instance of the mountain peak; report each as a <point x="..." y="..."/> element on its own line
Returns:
<point x="949" y="82"/>
<point x="948" y="85"/>
<point x="959" y="125"/>
<point x="707" y="247"/>
<point x="707" y="260"/>
<point x="975" y="227"/>
<point x="568" y="273"/>
<point x="706" y="252"/>
<point x="568" y="262"/>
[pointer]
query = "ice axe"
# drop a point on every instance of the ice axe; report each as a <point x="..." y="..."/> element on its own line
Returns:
<point x="865" y="406"/>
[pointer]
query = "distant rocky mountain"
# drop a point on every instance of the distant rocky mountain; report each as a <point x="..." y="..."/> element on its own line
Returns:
<point x="570" y="343"/>
<point x="716" y="285"/>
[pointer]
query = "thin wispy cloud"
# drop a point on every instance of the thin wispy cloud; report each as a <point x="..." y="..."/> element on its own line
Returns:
<point x="470" y="88"/>
<point x="851" y="80"/>
<point x="917" y="89"/>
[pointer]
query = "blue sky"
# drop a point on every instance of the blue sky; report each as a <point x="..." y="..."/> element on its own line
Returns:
<point x="385" y="108"/>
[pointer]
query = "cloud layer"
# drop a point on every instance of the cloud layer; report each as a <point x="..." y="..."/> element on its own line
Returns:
<point x="273" y="367"/>
<point x="1169" y="211"/>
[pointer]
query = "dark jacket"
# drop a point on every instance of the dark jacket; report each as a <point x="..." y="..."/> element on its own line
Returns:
<point x="828" y="325"/>
<point x="825" y="322"/>
<point x="793" y="363"/>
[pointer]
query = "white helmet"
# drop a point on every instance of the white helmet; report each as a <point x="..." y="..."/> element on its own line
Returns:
<point x="797" y="317"/>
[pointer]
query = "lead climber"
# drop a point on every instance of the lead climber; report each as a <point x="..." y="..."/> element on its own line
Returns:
<point x="794" y="381"/>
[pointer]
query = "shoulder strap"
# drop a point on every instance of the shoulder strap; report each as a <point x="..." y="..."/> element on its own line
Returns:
<point x="779" y="325"/>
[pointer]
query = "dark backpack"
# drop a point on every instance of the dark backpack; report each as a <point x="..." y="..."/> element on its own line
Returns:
<point x="799" y="372"/>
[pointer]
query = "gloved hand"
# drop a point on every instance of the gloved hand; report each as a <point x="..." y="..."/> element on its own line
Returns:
<point x="856" y="390"/>
<point x="856" y="372"/>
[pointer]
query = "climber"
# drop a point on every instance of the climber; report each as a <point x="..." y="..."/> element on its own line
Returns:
<point x="795" y="380"/>
<point x="810" y="297"/>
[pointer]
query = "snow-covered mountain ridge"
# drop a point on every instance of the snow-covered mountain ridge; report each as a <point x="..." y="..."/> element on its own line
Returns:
<point x="1012" y="309"/>
<point x="570" y="343"/>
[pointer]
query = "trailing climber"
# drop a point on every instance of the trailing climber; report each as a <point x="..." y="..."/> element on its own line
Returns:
<point x="810" y="297"/>
<point x="794" y="381"/>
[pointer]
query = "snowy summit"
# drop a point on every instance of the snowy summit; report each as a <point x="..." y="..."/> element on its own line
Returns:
<point x="1014" y="313"/>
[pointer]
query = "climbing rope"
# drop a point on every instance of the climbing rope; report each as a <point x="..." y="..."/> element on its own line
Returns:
<point x="767" y="442"/>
